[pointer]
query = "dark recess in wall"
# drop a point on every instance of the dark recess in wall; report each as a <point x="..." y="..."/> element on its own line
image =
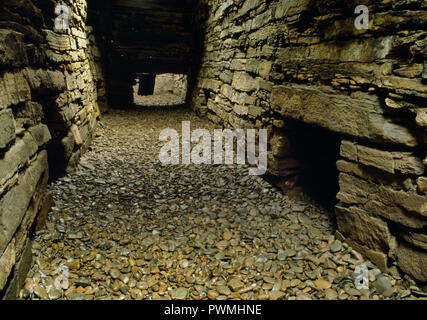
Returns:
<point x="318" y="151"/>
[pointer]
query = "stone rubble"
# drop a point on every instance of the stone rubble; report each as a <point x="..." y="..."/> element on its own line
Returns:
<point x="126" y="227"/>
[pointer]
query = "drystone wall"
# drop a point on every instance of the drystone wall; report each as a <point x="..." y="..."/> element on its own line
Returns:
<point x="285" y="63"/>
<point x="171" y="83"/>
<point x="49" y="87"/>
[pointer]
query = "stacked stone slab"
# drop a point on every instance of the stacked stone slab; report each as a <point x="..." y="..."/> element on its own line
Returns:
<point x="49" y="87"/>
<point x="268" y="62"/>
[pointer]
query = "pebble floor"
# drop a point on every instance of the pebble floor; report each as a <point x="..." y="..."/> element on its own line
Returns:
<point x="124" y="226"/>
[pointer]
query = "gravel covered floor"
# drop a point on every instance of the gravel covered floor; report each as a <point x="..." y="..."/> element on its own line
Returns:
<point x="166" y="99"/>
<point x="126" y="227"/>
